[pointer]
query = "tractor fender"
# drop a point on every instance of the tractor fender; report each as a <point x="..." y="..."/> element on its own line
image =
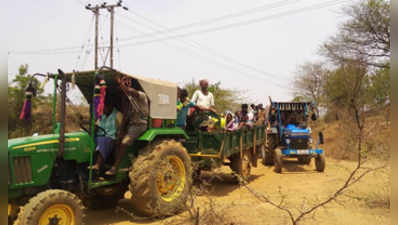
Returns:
<point x="153" y="133"/>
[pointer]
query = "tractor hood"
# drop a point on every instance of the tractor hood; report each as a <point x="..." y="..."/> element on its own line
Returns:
<point x="162" y="94"/>
<point x="296" y="132"/>
<point x="16" y="142"/>
<point x="31" y="142"/>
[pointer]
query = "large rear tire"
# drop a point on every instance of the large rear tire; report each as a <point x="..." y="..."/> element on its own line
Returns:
<point x="320" y="163"/>
<point x="241" y="165"/>
<point x="161" y="179"/>
<point x="52" y="207"/>
<point x="278" y="160"/>
<point x="13" y="210"/>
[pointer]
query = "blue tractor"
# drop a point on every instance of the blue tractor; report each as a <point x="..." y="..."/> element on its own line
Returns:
<point x="289" y="136"/>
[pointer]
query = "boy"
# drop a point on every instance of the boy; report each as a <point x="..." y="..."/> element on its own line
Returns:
<point x="183" y="105"/>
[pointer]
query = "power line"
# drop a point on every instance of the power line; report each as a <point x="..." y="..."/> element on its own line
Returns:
<point x="204" y="22"/>
<point x="69" y="50"/>
<point x="87" y="42"/>
<point x="227" y="66"/>
<point x="238" y="24"/>
<point x="210" y="51"/>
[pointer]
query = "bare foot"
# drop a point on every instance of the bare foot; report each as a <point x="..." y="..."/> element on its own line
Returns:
<point x="95" y="167"/>
<point x="111" y="172"/>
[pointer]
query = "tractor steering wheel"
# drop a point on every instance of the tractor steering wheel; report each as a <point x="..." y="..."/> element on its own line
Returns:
<point x="96" y="128"/>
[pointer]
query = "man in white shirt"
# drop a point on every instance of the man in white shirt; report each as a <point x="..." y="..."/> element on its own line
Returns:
<point x="202" y="98"/>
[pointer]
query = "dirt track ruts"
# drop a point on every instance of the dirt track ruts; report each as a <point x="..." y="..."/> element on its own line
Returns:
<point x="301" y="185"/>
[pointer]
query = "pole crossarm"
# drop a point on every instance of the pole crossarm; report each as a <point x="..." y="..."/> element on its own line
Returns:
<point x="96" y="10"/>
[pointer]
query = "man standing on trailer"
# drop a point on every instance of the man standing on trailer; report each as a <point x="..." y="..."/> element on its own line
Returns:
<point x="202" y="98"/>
<point x="135" y="119"/>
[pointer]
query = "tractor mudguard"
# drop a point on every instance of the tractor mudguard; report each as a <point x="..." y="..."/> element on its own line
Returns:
<point x="152" y="133"/>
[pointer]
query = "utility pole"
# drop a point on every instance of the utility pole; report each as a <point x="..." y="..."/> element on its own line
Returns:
<point x="111" y="9"/>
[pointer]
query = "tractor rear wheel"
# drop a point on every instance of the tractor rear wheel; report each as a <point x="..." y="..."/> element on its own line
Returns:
<point x="241" y="165"/>
<point x="320" y="163"/>
<point x="278" y="160"/>
<point x="161" y="179"/>
<point x="13" y="210"/>
<point x="52" y="207"/>
<point x="304" y="160"/>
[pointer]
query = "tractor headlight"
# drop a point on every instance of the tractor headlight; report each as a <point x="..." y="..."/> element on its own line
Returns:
<point x="287" y="141"/>
<point x="310" y="140"/>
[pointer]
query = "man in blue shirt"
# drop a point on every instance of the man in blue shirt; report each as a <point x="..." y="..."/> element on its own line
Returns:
<point x="183" y="105"/>
<point x="106" y="134"/>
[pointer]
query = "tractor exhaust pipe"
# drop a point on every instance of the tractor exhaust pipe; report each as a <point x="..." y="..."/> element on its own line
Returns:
<point x="61" y="145"/>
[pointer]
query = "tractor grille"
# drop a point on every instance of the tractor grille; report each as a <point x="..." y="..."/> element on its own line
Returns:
<point x="22" y="169"/>
<point x="299" y="143"/>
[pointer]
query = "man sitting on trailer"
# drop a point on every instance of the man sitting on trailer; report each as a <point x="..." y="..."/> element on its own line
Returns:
<point x="260" y="115"/>
<point x="135" y="119"/>
<point x="203" y="98"/>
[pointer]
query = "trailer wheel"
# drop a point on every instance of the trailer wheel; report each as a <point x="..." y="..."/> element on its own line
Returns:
<point x="52" y="207"/>
<point x="241" y="165"/>
<point x="304" y="160"/>
<point x="278" y="160"/>
<point x="161" y="179"/>
<point x="320" y="163"/>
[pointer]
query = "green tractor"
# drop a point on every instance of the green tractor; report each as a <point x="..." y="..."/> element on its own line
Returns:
<point x="48" y="177"/>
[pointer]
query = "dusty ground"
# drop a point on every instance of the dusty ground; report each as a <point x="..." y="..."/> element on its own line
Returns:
<point x="363" y="204"/>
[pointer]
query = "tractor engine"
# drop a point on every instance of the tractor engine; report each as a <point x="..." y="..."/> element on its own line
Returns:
<point x="296" y="138"/>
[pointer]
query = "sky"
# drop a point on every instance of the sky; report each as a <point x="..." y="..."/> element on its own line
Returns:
<point x="254" y="46"/>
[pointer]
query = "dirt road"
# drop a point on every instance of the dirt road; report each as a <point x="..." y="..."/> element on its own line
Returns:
<point x="300" y="186"/>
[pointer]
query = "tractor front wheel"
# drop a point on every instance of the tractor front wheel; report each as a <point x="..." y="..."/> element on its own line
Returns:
<point x="320" y="163"/>
<point x="52" y="207"/>
<point x="161" y="179"/>
<point x="266" y="155"/>
<point x="278" y="160"/>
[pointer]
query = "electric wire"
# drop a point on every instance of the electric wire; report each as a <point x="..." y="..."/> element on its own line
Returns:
<point x="211" y="51"/>
<point x="70" y="50"/>
<point x="205" y="22"/>
<point x="197" y="45"/>
<point x="238" y="24"/>
<point x="215" y="62"/>
<point x="79" y="57"/>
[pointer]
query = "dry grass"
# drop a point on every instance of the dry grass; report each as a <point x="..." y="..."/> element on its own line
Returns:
<point x="338" y="138"/>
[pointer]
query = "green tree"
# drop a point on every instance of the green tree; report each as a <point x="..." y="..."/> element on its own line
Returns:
<point x="16" y="98"/>
<point x="380" y="87"/>
<point x="349" y="81"/>
<point x="365" y="36"/>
